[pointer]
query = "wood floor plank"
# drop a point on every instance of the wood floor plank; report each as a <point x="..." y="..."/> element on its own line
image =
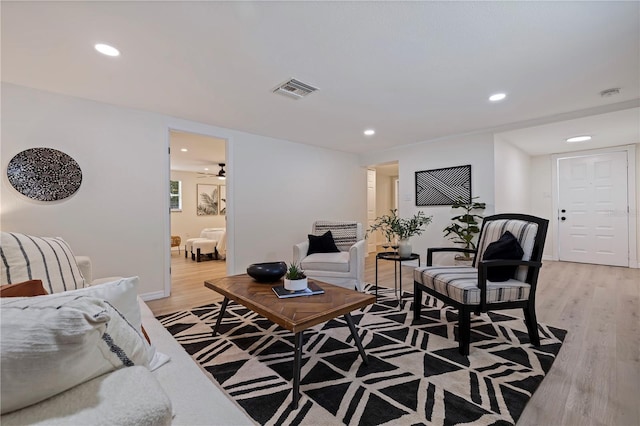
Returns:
<point x="594" y="381"/>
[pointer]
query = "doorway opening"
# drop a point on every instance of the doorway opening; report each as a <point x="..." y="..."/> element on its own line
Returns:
<point x="382" y="196"/>
<point x="198" y="203"/>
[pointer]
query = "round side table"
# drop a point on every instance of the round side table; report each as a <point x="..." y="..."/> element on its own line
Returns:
<point x="395" y="257"/>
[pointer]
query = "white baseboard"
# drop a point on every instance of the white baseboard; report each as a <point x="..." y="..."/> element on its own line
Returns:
<point x="632" y="264"/>
<point x="152" y="296"/>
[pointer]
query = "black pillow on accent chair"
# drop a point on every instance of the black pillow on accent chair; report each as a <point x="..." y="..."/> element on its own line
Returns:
<point x="322" y="244"/>
<point x="506" y="248"/>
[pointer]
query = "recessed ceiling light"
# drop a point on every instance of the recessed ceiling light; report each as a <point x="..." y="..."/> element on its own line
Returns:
<point x="206" y="168"/>
<point x="579" y="139"/>
<point x="497" y="97"/>
<point x="184" y="150"/>
<point x="105" y="49"/>
<point x="369" y="132"/>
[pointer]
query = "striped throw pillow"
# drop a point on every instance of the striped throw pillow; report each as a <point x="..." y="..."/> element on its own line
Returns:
<point x="50" y="259"/>
<point x="345" y="234"/>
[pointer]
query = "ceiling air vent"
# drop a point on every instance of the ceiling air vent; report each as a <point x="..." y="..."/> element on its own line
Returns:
<point x="295" y="89"/>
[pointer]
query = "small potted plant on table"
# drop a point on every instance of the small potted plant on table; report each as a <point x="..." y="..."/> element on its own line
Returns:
<point x="394" y="227"/>
<point x="294" y="278"/>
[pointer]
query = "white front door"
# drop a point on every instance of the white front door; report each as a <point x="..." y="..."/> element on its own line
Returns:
<point x="371" y="209"/>
<point x="593" y="209"/>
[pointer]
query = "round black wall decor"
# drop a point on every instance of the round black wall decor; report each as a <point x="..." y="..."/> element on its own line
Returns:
<point x="44" y="174"/>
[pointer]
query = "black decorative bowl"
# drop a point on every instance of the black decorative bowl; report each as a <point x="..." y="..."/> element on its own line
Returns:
<point x="268" y="272"/>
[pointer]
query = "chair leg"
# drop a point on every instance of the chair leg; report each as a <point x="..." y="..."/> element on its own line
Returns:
<point x="532" y="324"/>
<point x="417" y="302"/>
<point x="464" y="330"/>
<point x="185" y="251"/>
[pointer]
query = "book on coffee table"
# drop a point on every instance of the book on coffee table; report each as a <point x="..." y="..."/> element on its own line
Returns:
<point x="312" y="288"/>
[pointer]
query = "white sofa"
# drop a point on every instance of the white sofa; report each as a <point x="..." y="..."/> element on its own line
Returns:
<point x="177" y="393"/>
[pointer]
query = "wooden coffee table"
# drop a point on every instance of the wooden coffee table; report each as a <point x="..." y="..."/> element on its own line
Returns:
<point x="295" y="314"/>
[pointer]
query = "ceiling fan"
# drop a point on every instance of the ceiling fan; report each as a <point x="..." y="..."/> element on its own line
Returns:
<point x="220" y="175"/>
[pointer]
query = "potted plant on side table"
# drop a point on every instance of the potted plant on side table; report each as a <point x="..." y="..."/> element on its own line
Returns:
<point x="465" y="226"/>
<point x="393" y="226"/>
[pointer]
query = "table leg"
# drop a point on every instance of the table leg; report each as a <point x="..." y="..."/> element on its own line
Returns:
<point x="395" y="280"/>
<point x="354" y="333"/>
<point x="297" y="365"/>
<point x="400" y="298"/>
<point x="417" y="302"/>
<point x="376" y="278"/>
<point x="223" y="308"/>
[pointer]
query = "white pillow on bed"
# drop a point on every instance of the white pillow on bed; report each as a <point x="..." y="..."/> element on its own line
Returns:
<point x="52" y="343"/>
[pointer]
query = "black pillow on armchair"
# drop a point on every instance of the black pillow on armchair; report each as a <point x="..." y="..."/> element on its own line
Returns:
<point x="322" y="244"/>
<point x="506" y="248"/>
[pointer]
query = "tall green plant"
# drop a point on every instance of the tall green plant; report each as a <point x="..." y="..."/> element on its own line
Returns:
<point x="465" y="226"/>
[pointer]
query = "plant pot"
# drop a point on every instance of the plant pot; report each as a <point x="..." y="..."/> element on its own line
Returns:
<point x="460" y="260"/>
<point x="404" y="248"/>
<point x="295" y="285"/>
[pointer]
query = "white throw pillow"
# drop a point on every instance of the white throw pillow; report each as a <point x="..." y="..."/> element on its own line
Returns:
<point x="122" y="294"/>
<point x="50" y="259"/>
<point x="51" y="343"/>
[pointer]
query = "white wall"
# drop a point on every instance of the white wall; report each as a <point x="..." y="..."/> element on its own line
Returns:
<point x="512" y="179"/>
<point x="120" y="216"/>
<point x="541" y="198"/>
<point x="117" y="216"/>
<point x="280" y="188"/>
<point x="476" y="150"/>
<point x="384" y="200"/>
<point x="187" y="224"/>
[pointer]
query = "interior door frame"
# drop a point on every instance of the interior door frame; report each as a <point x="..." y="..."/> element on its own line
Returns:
<point x="631" y="197"/>
<point x="230" y="204"/>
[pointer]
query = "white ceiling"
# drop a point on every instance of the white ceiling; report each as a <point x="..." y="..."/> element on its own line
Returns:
<point x="414" y="71"/>
<point x="203" y="155"/>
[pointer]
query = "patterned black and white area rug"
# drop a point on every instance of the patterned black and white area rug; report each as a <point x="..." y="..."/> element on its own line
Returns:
<point x="415" y="373"/>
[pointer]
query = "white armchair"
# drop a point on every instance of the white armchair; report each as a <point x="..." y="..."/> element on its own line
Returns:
<point x="344" y="268"/>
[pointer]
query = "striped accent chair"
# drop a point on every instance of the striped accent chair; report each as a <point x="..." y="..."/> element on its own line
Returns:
<point x="344" y="268"/>
<point x="467" y="287"/>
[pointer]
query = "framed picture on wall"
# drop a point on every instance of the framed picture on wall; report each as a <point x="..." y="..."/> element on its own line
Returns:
<point x="441" y="187"/>
<point x="223" y="199"/>
<point x="208" y="203"/>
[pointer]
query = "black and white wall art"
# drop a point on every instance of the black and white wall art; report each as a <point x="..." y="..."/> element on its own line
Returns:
<point x="440" y="187"/>
<point x="44" y="174"/>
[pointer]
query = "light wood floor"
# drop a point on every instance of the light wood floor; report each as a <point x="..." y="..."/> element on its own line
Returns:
<point x="596" y="378"/>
